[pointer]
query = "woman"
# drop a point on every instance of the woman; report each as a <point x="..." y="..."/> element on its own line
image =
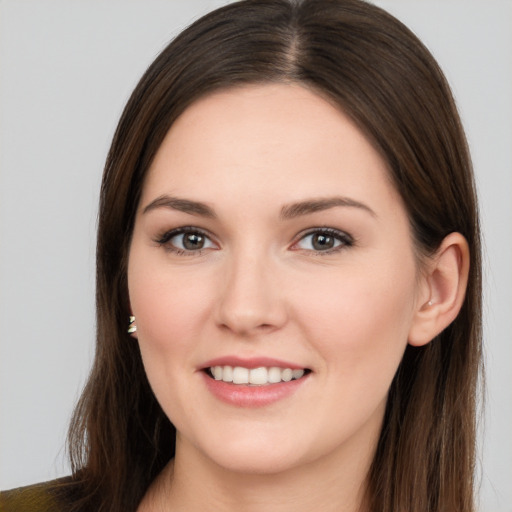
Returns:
<point x="288" y="213"/>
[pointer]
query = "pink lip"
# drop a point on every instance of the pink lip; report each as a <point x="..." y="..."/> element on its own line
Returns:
<point x="240" y="395"/>
<point x="253" y="362"/>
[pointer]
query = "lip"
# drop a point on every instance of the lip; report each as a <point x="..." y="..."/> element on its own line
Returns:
<point x="250" y="396"/>
<point x="251" y="363"/>
<point x="247" y="396"/>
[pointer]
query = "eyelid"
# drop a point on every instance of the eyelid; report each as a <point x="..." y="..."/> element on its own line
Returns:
<point x="164" y="239"/>
<point x="346" y="240"/>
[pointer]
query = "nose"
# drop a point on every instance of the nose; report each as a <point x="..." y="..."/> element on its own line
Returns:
<point x="251" y="300"/>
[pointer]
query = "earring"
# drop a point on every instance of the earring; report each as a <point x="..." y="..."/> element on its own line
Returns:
<point x="430" y="303"/>
<point x="131" y="326"/>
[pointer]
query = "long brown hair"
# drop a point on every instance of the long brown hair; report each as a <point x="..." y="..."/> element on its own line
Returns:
<point x="380" y="74"/>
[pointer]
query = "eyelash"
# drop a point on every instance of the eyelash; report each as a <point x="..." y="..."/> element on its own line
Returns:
<point x="344" y="239"/>
<point x="165" y="238"/>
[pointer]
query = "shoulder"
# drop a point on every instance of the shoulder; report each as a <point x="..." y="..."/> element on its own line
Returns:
<point x="54" y="496"/>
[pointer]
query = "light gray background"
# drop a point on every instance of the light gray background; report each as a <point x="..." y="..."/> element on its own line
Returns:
<point x="67" y="68"/>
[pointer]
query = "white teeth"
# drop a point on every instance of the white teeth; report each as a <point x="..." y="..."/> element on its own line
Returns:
<point x="217" y="372"/>
<point x="297" y="374"/>
<point x="258" y="376"/>
<point x="286" y="374"/>
<point x="227" y="374"/>
<point x="255" y="376"/>
<point x="274" y="375"/>
<point x="240" y="375"/>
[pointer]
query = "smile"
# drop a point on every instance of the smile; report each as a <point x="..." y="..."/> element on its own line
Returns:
<point x="262" y="376"/>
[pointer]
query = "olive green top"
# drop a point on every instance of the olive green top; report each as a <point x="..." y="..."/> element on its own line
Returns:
<point x="43" y="497"/>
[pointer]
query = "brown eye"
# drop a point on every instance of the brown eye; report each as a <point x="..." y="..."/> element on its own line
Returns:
<point x="324" y="240"/>
<point x="192" y="241"/>
<point x="186" y="240"/>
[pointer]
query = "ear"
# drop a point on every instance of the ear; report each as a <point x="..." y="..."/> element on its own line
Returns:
<point x="443" y="290"/>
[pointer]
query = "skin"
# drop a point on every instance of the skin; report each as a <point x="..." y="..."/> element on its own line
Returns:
<point x="260" y="288"/>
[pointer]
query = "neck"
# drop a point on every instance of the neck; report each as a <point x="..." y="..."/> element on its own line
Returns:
<point x="191" y="480"/>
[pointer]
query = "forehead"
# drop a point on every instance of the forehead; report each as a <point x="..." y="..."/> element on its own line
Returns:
<point x="276" y="139"/>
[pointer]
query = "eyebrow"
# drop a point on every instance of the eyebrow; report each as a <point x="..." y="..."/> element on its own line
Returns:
<point x="317" y="205"/>
<point x="182" y="205"/>
<point x="288" y="212"/>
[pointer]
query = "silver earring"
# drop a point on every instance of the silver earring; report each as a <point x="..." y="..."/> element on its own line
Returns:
<point x="131" y="326"/>
<point x="430" y="303"/>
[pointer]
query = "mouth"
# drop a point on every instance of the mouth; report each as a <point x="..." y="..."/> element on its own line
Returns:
<point x="262" y="376"/>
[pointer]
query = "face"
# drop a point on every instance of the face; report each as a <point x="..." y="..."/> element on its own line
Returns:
<point x="270" y="245"/>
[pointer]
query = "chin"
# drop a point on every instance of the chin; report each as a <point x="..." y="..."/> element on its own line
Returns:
<point x="256" y="461"/>
<point x="252" y="453"/>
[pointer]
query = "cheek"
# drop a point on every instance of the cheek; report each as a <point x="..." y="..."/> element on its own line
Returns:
<point x="170" y="311"/>
<point x="360" y="319"/>
<point x="169" y="307"/>
<point x="358" y="323"/>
